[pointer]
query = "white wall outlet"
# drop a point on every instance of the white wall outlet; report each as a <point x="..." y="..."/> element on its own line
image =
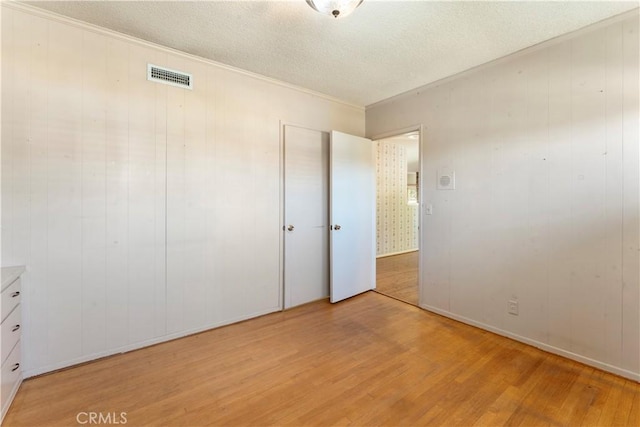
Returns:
<point x="512" y="306"/>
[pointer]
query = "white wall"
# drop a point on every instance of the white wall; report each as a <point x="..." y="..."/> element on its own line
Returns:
<point x="544" y="145"/>
<point x="396" y="220"/>
<point x="142" y="211"/>
<point x="1" y="133"/>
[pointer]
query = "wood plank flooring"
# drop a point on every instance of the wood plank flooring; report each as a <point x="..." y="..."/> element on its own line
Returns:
<point x="367" y="361"/>
<point x="397" y="276"/>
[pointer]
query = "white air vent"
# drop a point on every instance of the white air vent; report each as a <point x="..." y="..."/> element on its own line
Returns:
<point x="169" y="77"/>
<point x="446" y="180"/>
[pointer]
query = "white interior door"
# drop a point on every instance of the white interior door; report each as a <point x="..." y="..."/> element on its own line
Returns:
<point x="306" y="228"/>
<point x="353" y="234"/>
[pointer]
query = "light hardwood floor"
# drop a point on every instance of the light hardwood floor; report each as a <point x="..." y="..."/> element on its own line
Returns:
<point x="369" y="360"/>
<point x="397" y="276"/>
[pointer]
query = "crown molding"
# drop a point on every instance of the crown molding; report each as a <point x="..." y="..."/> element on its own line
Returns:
<point x="32" y="10"/>
<point x="527" y="50"/>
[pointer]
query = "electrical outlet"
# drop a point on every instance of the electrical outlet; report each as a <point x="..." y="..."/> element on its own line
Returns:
<point x="512" y="306"/>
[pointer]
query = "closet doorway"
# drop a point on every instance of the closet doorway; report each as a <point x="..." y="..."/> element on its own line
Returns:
<point x="398" y="216"/>
<point x="306" y="215"/>
<point x="328" y="215"/>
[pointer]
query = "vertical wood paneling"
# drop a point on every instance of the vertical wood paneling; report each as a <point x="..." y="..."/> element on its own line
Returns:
<point x="117" y="202"/>
<point x="588" y="146"/>
<point x="232" y="176"/>
<point x="212" y="289"/>
<point x="555" y="225"/>
<point x="248" y="232"/>
<point x="513" y="195"/>
<point x="197" y="190"/>
<point x="146" y="248"/>
<point x="560" y="186"/>
<point x="177" y="289"/>
<point x="35" y="33"/>
<point x="513" y="199"/>
<point x="64" y="192"/>
<point x="142" y="211"/>
<point x="536" y="221"/>
<point x="471" y="162"/>
<point x="437" y="254"/>
<point x="16" y="136"/>
<point x="614" y="193"/>
<point x="494" y="169"/>
<point x="631" y="211"/>
<point x="8" y="109"/>
<point x="93" y="192"/>
<point x="265" y="157"/>
<point x="160" y="206"/>
<point x="6" y="131"/>
<point x="218" y="208"/>
<point x="2" y="20"/>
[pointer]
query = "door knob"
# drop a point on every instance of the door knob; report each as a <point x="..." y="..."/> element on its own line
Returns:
<point x="336" y="227"/>
<point x="290" y="228"/>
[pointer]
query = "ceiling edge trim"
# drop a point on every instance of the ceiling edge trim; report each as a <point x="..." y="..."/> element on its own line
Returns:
<point x="525" y="51"/>
<point x="42" y="13"/>
<point x="397" y="132"/>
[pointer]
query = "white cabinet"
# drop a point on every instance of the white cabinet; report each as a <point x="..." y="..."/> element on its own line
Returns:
<point x="11" y="330"/>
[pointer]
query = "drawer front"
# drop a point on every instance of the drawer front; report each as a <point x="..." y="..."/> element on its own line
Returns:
<point x="10" y="298"/>
<point x="11" y="330"/>
<point x="11" y="375"/>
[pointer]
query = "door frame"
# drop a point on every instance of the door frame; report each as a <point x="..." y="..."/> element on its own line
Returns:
<point x="420" y="129"/>
<point x="282" y="225"/>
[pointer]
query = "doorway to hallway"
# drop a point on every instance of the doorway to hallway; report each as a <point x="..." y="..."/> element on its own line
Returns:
<point x="398" y="216"/>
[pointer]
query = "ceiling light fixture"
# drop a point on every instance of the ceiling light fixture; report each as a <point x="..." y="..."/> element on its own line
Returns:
<point x="335" y="8"/>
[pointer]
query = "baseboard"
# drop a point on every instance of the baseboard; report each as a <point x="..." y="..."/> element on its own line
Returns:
<point x="542" y="346"/>
<point x="9" y="400"/>
<point x="397" y="253"/>
<point x="124" y="349"/>
<point x="307" y="303"/>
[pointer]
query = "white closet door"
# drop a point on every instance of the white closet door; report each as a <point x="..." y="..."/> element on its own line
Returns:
<point x="352" y="205"/>
<point x="306" y="240"/>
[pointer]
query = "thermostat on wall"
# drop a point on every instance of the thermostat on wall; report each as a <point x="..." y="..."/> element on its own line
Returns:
<point x="446" y="179"/>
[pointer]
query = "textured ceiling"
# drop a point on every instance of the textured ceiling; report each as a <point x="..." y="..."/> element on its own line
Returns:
<point x="384" y="48"/>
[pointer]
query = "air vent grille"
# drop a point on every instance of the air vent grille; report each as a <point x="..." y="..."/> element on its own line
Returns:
<point x="446" y="179"/>
<point x="169" y="77"/>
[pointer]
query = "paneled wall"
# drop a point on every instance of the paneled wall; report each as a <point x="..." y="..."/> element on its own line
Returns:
<point x="396" y="220"/>
<point x="544" y="145"/>
<point x="142" y="211"/>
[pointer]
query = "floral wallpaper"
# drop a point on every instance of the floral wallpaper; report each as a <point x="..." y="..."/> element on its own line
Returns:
<point x="396" y="220"/>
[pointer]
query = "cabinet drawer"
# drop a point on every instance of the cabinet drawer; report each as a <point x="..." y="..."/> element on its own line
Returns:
<point x="11" y="375"/>
<point x="11" y="329"/>
<point x="10" y="298"/>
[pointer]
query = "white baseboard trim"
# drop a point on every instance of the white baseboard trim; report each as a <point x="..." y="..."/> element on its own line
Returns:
<point x="397" y="253"/>
<point x="9" y="399"/>
<point x="164" y="338"/>
<point x="635" y="376"/>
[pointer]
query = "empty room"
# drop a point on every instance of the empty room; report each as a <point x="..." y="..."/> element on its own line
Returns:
<point x="320" y="212"/>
